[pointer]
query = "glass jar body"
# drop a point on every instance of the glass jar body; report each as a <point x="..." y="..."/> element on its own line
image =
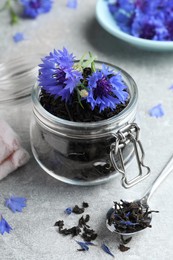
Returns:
<point x="18" y="116"/>
<point x="17" y="76"/>
<point x="79" y="153"/>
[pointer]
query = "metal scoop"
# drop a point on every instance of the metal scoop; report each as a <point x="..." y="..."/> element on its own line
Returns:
<point x="144" y="200"/>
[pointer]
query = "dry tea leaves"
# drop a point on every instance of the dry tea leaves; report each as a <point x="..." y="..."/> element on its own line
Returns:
<point x="129" y="217"/>
<point x="77" y="210"/>
<point x="123" y="248"/>
<point x="74" y="111"/>
<point x="59" y="223"/>
<point x="87" y="233"/>
<point x="85" y="205"/>
<point x="82" y="221"/>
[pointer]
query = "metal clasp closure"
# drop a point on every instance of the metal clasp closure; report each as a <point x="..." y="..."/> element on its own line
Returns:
<point x="128" y="134"/>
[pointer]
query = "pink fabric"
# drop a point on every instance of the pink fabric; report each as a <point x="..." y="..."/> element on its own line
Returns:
<point x="12" y="155"/>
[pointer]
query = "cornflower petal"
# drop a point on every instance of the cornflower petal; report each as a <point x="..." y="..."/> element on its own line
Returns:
<point x="106" y="70"/>
<point x="16" y="204"/>
<point x="64" y="58"/>
<point x="171" y="87"/>
<point x="156" y="111"/>
<point x="4" y="226"/>
<point x="72" y="4"/>
<point x="83" y="245"/>
<point x="68" y="211"/>
<point x="18" y="37"/>
<point x="106" y="250"/>
<point x="128" y="223"/>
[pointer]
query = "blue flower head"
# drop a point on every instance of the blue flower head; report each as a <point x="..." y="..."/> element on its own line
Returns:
<point x="106" y="90"/>
<point x="57" y="75"/>
<point x="33" y="8"/>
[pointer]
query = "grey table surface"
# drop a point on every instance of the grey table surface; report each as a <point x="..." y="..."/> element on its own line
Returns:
<point x="33" y="236"/>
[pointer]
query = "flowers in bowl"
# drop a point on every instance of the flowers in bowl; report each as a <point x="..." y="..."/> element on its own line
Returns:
<point x="152" y="20"/>
<point x="77" y="90"/>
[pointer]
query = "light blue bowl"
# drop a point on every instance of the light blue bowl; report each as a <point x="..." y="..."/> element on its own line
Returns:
<point x="106" y="20"/>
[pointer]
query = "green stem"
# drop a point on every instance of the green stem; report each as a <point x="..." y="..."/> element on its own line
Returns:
<point x="13" y="15"/>
<point x="82" y="59"/>
<point x="93" y="68"/>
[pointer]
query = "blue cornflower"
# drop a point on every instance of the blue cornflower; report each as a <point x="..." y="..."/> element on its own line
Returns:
<point x="4" y="226"/>
<point x="33" y="8"/>
<point x="149" y="27"/>
<point x="106" y="90"/>
<point x="57" y="75"/>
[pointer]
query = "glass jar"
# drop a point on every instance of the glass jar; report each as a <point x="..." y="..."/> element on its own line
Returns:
<point x="17" y="77"/>
<point x="87" y="153"/>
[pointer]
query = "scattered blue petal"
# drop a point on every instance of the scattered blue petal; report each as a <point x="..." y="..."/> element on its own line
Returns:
<point x="156" y="111"/>
<point x="4" y="226"/>
<point x="15" y="203"/>
<point x="171" y="87"/>
<point x="18" y="37"/>
<point x="106" y="250"/>
<point x="83" y="245"/>
<point x="68" y="211"/>
<point x="72" y="4"/>
<point x="128" y="223"/>
<point x="128" y="214"/>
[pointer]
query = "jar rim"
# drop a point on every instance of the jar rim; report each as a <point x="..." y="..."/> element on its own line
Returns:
<point x="51" y="120"/>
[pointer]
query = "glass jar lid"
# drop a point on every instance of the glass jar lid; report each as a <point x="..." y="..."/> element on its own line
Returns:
<point x="17" y="76"/>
